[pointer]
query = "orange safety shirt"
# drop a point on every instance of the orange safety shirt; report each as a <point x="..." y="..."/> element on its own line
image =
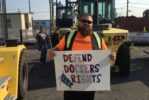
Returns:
<point x="80" y="43"/>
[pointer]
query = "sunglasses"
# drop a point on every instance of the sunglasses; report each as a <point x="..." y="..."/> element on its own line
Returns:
<point x="86" y="21"/>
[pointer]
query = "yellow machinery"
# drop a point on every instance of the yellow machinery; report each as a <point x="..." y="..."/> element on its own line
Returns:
<point x="13" y="73"/>
<point x="103" y="12"/>
<point x="13" y="65"/>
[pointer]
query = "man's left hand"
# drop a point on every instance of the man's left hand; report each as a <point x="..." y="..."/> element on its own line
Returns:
<point x="113" y="56"/>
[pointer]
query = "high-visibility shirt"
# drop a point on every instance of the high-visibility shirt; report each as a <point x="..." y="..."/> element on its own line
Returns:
<point x="80" y="43"/>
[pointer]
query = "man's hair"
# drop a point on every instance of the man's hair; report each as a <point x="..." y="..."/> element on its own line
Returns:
<point x="84" y="14"/>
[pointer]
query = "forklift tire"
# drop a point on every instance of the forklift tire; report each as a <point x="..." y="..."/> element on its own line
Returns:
<point x="123" y="60"/>
<point x="23" y="77"/>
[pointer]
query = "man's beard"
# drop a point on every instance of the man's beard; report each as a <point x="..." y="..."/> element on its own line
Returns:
<point x="84" y="31"/>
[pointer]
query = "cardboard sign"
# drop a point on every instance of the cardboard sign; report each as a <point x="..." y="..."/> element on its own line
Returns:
<point x="82" y="70"/>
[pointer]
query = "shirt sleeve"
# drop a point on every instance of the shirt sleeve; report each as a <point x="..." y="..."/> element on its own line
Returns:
<point x="61" y="44"/>
<point x="104" y="46"/>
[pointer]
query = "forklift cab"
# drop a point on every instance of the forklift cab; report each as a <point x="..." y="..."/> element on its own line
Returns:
<point x="101" y="10"/>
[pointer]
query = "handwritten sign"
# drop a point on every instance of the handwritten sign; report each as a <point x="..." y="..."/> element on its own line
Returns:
<point x="82" y="70"/>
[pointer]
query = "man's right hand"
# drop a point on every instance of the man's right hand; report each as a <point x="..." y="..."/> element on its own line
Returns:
<point x="51" y="53"/>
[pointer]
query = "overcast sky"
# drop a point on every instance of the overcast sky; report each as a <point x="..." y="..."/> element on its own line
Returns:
<point x="41" y="7"/>
<point x="136" y="7"/>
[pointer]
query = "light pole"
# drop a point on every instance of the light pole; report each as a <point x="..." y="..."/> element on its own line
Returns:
<point x="127" y="8"/>
<point x="4" y="17"/>
<point x="50" y="7"/>
<point x="29" y="4"/>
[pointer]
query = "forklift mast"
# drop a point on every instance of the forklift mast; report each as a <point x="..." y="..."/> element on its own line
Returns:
<point x="65" y="15"/>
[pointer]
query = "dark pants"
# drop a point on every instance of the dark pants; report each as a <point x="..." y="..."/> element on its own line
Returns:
<point x="43" y="56"/>
<point x="79" y="95"/>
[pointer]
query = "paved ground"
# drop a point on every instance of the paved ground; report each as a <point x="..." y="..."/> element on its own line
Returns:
<point x="135" y="87"/>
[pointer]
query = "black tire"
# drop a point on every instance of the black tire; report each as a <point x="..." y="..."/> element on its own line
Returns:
<point x="23" y="77"/>
<point x="123" y="60"/>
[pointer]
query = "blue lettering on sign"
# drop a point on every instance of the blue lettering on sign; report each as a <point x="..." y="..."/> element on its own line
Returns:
<point x="66" y="81"/>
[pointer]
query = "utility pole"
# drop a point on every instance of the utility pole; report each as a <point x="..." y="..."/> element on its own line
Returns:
<point x="4" y="21"/>
<point x="52" y="4"/>
<point x="51" y="15"/>
<point x="127" y="8"/>
<point x="29" y="4"/>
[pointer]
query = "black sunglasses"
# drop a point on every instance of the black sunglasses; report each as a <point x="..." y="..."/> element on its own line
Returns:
<point x="86" y="21"/>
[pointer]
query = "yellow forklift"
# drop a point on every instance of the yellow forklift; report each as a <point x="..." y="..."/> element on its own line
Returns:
<point x="103" y="13"/>
<point x="13" y="65"/>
